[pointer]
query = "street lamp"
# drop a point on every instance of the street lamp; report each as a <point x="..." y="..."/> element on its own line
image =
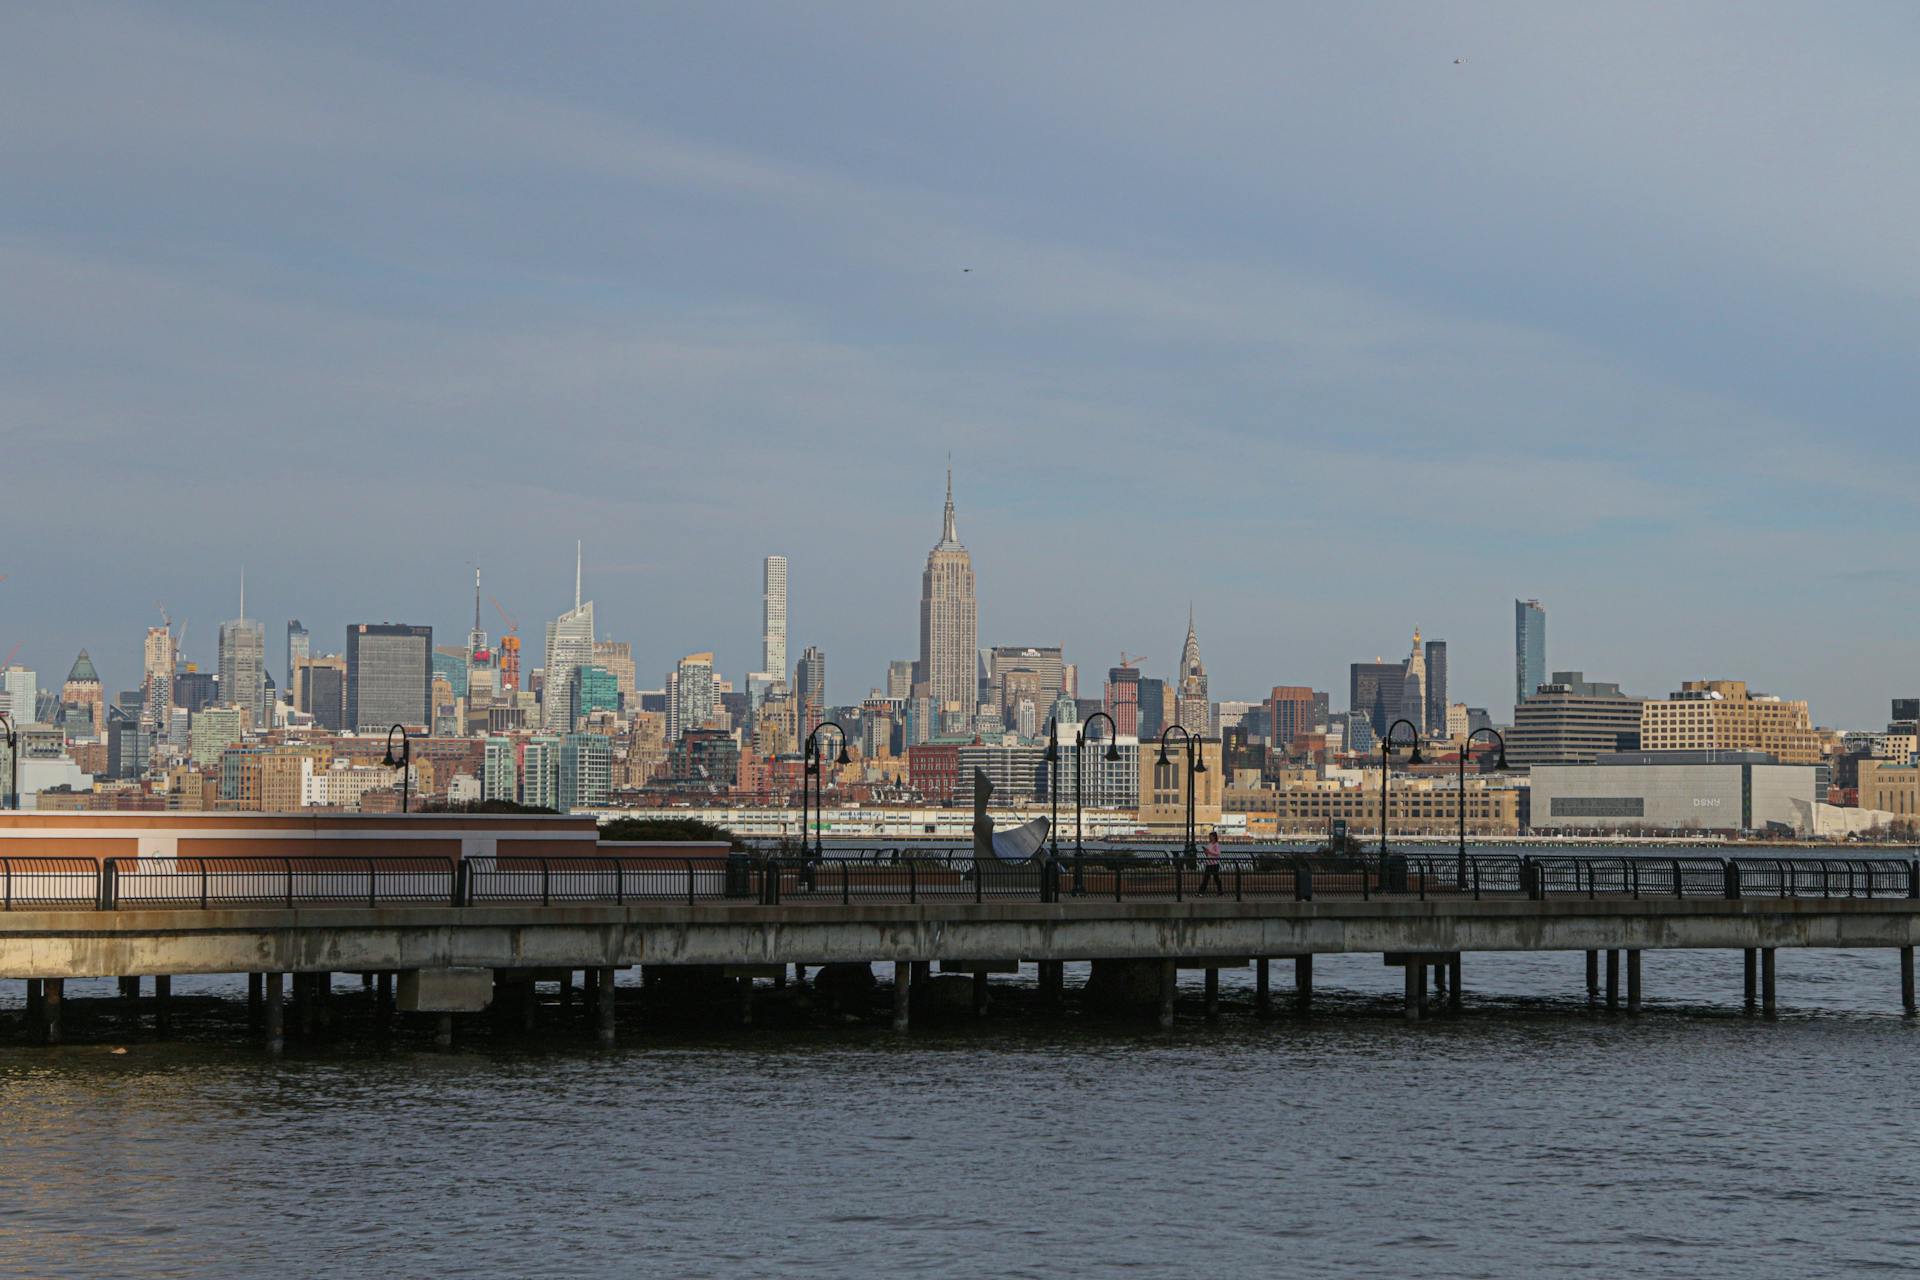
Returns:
<point x="1461" y="802"/>
<point x="812" y="771"/>
<point x="1079" y="786"/>
<point x="1195" y="766"/>
<point x="1386" y="752"/>
<point x="401" y="760"/>
<point x="1053" y="787"/>
<point x="13" y="760"/>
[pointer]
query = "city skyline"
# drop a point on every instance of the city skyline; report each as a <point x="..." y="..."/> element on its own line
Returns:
<point x="1652" y="410"/>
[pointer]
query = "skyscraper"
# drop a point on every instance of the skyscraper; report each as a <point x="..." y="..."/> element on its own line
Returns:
<point x="1374" y="689"/>
<point x="569" y="645"/>
<point x="243" y="664"/>
<point x="83" y="701"/>
<point x="389" y="676"/>
<point x="1437" y="686"/>
<point x="693" y="699"/>
<point x="949" y="623"/>
<point x="773" y="617"/>
<point x="1123" y="699"/>
<point x="1413" y="688"/>
<point x="299" y="648"/>
<point x="158" y="658"/>
<point x="1194" y="710"/>
<point x="1529" y="648"/>
<point x="810" y="682"/>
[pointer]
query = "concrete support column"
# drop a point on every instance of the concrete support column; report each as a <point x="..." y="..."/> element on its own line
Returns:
<point x="1303" y="983"/>
<point x="1440" y="970"/>
<point x="1169" y="983"/>
<point x="1416" y="988"/>
<point x="902" y="993"/>
<point x="746" y="1001"/>
<point x="529" y="1007"/>
<point x="603" y="982"/>
<point x="1751" y="956"/>
<point x="1766" y="981"/>
<point x="1593" y="977"/>
<point x="443" y="1031"/>
<point x="980" y="993"/>
<point x="274" y="1012"/>
<point x="1262" y="995"/>
<point x="255" y="998"/>
<point x="1613" y="979"/>
<point x="1906" y="979"/>
<point x="129" y="988"/>
<point x="1453" y="984"/>
<point x="303" y="992"/>
<point x="1053" y="980"/>
<point x="383" y="1000"/>
<point x="1633" y="980"/>
<point x="800" y="975"/>
<point x="322" y="987"/>
<point x="566" y="988"/>
<point x="52" y="996"/>
<point x="1213" y="995"/>
<point x="163" y="1005"/>
<point x="922" y="970"/>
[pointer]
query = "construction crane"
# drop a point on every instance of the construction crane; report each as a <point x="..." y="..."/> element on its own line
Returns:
<point x="1133" y="661"/>
<point x="12" y="654"/>
<point x="509" y="647"/>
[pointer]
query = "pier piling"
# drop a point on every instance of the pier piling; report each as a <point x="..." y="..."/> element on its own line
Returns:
<point x="1213" y="995"/>
<point x="1262" y="994"/>
<point x="443" y="1031"/>
<point x="1751" y="958"/>
<point x="1169" y="980"/>
<point x="1593" y="977"/>
<point x="979" y="993"/>
<point x="52" y="997"/>
<point x="902" y="993"/>
<point x="1633" y="980"/>
<point x="1453" y="984"/>
<point x="1906" y="979"/>
<point x="163" y="1005"/>
<point x="255" y="997"/>
<point x="276" y="1013"/>
<point x="603" y="983"/>
<point x="1613" y="979"/>
<point x="1303" y="983"/>
<point x="1766" y="982"/>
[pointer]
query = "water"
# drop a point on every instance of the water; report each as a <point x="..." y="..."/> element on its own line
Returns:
<point x="1526" y="1136"/>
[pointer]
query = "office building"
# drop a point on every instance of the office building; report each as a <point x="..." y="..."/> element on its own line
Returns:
<point x="1290" y="715"/>
<point x="299" y="647"/>
<point x="1194" y="708"/>
<point x="19" y="695"/>
<point x="321" y="691"/>
<point x="948" y="667"/>
<point x="1044" y="663"/>
<point x="499" y="780"/>
<point x="1437" y="703"/>
<point x="193" y="689"/>
<point x="1723" y="715"/>
<point x="773" y="616"/>
<point x="1154" y="714"/>
<point x="1374" y="690"/>
<point x="243" y="665"/>
<point x="1529" y="647"/>
<point x="159" y="656"/>
<point x="389" y="676"/>
<point x="1570" y="719"/>
<point x="1659" y="791"/>
<point x="692" y="699"/>
<point x="210" y="732"/>
<point x="594" y="689"/>
<point x="616" y="656"/>
<point x="900" y="679"/>
<point x="1123" y="699"/>
<point x="1413" y="687"/>
<point x="540" y="772"/>
<point x="586" y="770"/>
<point x="810" y="683"/>
<point x="569" y="645"/>
<point x="83" y="702"/>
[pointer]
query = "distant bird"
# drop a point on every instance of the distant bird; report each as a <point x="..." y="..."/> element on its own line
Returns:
<point x="966" y="270"/>
<point x="1459" y="62"/>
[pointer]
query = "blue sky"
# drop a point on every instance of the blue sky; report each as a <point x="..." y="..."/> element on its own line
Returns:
<point x="1280" y="310"/>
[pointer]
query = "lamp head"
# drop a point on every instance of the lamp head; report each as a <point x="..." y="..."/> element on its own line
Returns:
<point x="1416" y="757"/>
<point x="1200" y="765"/>
<point x="1113" y="751"/>
<point x="813" y="764"/>
<point x="843" y="757"/>
<point x="1163" y="754"/>
<point x="1501" y="763"/>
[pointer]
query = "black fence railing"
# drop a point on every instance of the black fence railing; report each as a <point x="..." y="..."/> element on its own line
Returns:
<point x="33" y="883"/>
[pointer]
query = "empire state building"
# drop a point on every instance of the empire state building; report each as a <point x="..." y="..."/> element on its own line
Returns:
<point x="949" y="623"/>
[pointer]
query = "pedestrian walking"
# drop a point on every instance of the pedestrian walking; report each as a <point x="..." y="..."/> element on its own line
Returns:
<point x="1212" y="873"/>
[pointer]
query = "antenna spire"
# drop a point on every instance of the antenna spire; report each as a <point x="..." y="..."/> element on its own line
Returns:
<point x="243" y="593"/>
<point x="576" y="574"/>
<point x="476" y="597"/>
<point x="949" y="534"/>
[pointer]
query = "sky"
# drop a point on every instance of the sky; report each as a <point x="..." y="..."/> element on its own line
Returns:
<point x="1330" y="321"/>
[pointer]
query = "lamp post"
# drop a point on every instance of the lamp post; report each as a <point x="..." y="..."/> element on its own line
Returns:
<point x="13" y="760"/>
<point x="812" y="770"/>
<point x="1079" y="786"/>
<point x="1386" y="754"/>
<point x="401" y="760"/>
<point x="1461" y="801"/>
<point x="1053" y="787"/>
<point x="1195" y="766"/>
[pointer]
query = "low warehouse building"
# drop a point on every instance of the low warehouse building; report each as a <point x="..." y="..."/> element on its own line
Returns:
<point x="1662" y="791"/>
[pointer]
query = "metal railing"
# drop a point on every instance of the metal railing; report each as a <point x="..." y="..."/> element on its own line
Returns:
<point x="33" y="883"/>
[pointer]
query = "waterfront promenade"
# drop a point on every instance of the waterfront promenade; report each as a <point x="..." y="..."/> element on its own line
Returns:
<point x="443" y="935"/>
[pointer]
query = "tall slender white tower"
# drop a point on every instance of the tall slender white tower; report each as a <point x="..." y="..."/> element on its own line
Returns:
<point x="569" y="647"/>
<point x="773" y="609"/>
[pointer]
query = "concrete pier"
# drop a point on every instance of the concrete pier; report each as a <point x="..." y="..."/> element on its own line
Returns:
<point x="1169" y="984"/>
<point x="1767" y="1001"/>
<point x="1633" y="980"/>
<point x="902" y="994"/>
<point x="275" y="1013"/>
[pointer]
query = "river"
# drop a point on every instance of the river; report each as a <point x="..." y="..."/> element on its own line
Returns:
<point x="1527" y="1135"/>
